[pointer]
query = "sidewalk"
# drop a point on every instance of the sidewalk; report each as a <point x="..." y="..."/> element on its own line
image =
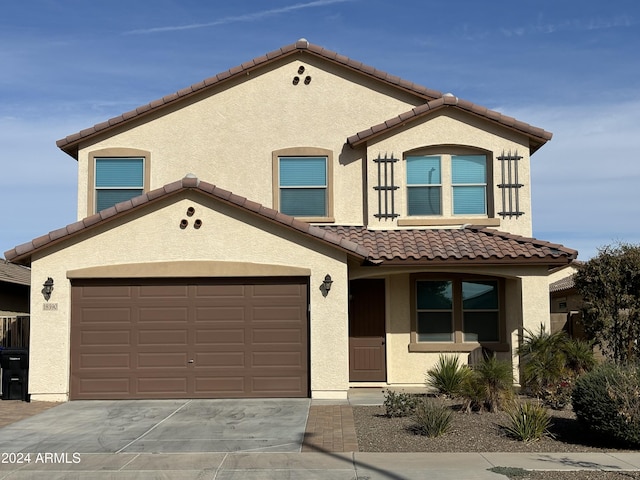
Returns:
<point x="333" y="466"/>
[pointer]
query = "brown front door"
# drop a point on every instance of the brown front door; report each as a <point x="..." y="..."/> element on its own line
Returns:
<point x="191" y="338"/>
<point x="367" y="353"/>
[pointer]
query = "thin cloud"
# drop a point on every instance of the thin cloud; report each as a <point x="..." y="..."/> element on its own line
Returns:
<point x="249" y="17"/>
<point x="578" y="25"/>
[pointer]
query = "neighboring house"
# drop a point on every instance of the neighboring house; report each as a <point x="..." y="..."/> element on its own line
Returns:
<point x="565" y="301"/>
<point x="15" y="283"/>
<point x="374" y="224"/>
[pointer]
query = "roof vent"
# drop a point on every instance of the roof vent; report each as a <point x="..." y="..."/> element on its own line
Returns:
<point x="302" y="43"/>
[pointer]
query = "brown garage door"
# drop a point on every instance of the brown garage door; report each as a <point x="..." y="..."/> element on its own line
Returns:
<point x="196" y="338"/>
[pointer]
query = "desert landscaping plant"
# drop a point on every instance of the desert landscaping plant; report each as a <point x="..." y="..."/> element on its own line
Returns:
<point x="447" y="375"/>
<point x="607" y="401"/>
<point x="550" y="364"/>
<point x="528" y="422"/>
<point x="431" y="418"/>
<point x="398" y="404"/>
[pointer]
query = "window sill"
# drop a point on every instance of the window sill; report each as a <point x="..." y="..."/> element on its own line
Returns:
<point x="446" y="347"/>
<point x="416" y="222"/>
<point x="317" y="219"/>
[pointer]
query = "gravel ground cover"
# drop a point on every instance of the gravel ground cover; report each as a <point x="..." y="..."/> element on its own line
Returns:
<point x="483" y="432"/>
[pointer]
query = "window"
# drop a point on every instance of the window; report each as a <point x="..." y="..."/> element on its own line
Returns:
<point x="424" y="186"/>
<point x="303" y="186"/>
<point x="451" y="184"/>
<point x="116" y="175"/>
<point x="117" y="180"/>
<point x="302" y="183"/>
<point x="469" y="184"/>
<point x="457" y="310"/>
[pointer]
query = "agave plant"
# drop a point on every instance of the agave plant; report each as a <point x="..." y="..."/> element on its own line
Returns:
<point x="448" y="375"/>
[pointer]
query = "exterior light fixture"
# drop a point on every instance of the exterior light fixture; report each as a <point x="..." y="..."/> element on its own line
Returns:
<point x="47" y="288"/>
<point x="326" y="284"/>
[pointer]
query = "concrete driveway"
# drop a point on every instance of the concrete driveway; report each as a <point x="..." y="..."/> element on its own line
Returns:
<point x="162" y="426"/>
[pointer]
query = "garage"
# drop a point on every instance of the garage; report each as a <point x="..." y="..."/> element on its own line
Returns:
<point x="189" y="338"/>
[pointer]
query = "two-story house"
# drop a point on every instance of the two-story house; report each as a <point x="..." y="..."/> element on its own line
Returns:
<point x="291" y="227"/>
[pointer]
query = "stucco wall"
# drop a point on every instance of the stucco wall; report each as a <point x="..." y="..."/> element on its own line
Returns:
<point x="226" y="137"/>
<point x="452" y="128"/>
<point x="152" y="235"/>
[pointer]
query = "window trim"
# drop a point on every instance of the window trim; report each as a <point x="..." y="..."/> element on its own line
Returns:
<point x="115" y="153"/>
<point x="458" y="344"/>
<point x="304" y="152"/>
<point x="447" y="217"/>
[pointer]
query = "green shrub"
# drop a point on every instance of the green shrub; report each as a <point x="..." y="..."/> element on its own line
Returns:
<point x="543" y="359"/>
<point x="398" y="404"/>
<point x="497" y="378"/>
<point x="448" y="375"/>
<point x="528" y="422"/>
<point x="431" y="419"/>
<point x="607" y="400"/>
<point x="550" y="364"/>
<point x="489" y="385"/>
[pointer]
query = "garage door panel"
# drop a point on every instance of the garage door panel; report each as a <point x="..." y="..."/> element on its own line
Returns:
<point x="162" y="360"/>
<point x="220" y="359"/>
<point x="278" y="313"/>
<point x="220" y="291"/>
<point x="164" y="314"/>
<point x="220" y="313"/>
<point x="277" y="291"/>
<point x="107" y="292"/>
<point x="276" y="386"/>
<point x="276" y="359"/>
<point x="164" y="338"/>
<point x="106" y="387"/>
<point x="105" y="361"/>
<point x="105" y="314"/>
<point x="277" y="336"/>
<point x="216" y="337"/>
<point x="221" y="386"/>
<point x="163" y="386"/>
<point x="246" y="339"/>
<point x="109" y="338"/>
<point x="162" y="292"/>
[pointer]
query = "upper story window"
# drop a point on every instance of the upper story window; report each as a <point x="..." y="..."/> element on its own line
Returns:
<point x="469" y="184"/>
<point x="447" y="184"/>
<point x="303" y="186"/>
<point x="117" y="180"/>
<point x="424" y="185"/>
<point x="303" y="183"/>
<point x="116" y="175"/>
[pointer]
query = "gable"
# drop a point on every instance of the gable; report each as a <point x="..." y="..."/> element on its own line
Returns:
<point x="301" y="51"/>
<point x="135" y="226"/>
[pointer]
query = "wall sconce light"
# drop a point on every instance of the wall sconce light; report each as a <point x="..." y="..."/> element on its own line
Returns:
<point x="326" y="284"/>
<point x="47" y="288"/>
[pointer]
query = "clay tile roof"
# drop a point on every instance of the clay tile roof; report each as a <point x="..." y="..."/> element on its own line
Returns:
<point x="471" y="244"/>
<point x="70" y="143"/>
<point x="562" y="284"/>
<point x="538" y="136"/>
<point x="11" y="273"/>
<point x="22" y="253"/>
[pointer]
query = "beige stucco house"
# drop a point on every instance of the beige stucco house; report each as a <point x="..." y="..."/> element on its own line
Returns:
<point x="294" y="226"/>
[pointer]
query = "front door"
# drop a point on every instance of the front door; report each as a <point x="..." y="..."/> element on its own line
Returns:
<point x="367" y="353"/>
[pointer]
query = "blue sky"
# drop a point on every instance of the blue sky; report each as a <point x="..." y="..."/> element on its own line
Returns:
<point x="571" y="67"/>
